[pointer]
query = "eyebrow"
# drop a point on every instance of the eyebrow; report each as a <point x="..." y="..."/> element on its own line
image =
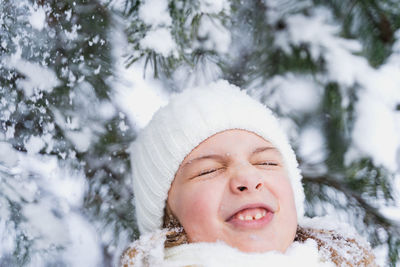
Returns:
<point x="210" y="156"/>
<point x="262" y="149"/>
<point x="219" y="157"/>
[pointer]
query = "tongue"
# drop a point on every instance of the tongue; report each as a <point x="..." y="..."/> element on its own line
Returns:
<point x="250" y="212"/>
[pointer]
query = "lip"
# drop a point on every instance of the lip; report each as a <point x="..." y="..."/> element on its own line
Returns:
<point x="253" y="224"/>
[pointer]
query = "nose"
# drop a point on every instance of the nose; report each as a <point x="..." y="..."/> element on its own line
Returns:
<point x="242" y="188"/>
<point x="245" y="179"/>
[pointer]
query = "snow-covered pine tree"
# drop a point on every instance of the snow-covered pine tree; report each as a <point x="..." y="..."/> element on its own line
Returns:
<point x="61" y="128"/>
<point x="330" y="69"/>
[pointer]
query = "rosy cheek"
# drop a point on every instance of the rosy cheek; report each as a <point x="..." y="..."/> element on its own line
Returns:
<point x="287" y="195"/>
<point x="197" y="215"/>
<point x="197" y="207"/>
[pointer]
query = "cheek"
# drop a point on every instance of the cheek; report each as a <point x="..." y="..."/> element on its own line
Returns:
<point x="287" y="218"/>
<point x="197" y="210"/>
<point x="197" y="207"/>
<point x="196" y="204"/>
<point x="288" y="203"/>
<point x="283" y="191"/>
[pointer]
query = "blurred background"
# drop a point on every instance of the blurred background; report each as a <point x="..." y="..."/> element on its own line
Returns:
<point x="79" y="79"/>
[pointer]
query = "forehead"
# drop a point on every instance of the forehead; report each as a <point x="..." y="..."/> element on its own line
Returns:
<point x="230" y="141"/>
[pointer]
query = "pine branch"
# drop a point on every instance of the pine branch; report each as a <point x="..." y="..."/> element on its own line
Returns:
<point x="372" y="211"/>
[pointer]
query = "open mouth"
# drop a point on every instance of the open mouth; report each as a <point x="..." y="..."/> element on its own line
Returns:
<point x="253" y="216"/>
<point x="250" y="214"/>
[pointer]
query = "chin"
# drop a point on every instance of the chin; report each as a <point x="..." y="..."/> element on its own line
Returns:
<point x="252" y="246"/>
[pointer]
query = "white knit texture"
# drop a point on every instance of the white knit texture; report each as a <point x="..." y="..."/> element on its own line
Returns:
<point x="176" y="129"/>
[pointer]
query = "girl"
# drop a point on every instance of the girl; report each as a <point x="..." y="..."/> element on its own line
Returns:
<point x="216" y="183"/>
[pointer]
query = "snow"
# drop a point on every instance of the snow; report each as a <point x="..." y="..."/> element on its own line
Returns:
<point x="137" y="96"/>
<point x="145" y="100"/>
<point x="188" y="77"/>
<point x="84" y="243"/>
<point x="37" y="18"/>
<point x="68" y="185"/>
<point x="106" y="110"/>
<point x="380" y="252"/>
<point x="150" y="244"/>
<point x="216" y="36"/>
<point x="36" y="77"/>
<point x="10" y="132"/>
<point x="50" y="217"/>
<point x="155" y="13"/>
<point x="312" y="145"/>
<point x="377" y="127"/>
<point x="7" y="154"/>
<point x="278" y="9"/>
<point x="73" y="34"/>
<point x="321" y="36"/>
<point x="393" y="212"/>
<point x="53" y="229"/>
<point x="330" y="222"/>
<point x="7" y="235"/>
<point x="292" y="93"/>
<point x="34" y="145"/>
<point x="160" y="40"/>
<point x="376" y="132"/>
<point x="68" y="14"/>
<point x="81" y="139"/>
<point x="97" y="71"/>
<point x="214" y="6"/>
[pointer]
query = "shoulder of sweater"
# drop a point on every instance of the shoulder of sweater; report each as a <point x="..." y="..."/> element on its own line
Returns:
<point x="138" y="252"/>
<point x="128" y="256"/>
<point x="340" y="249"/>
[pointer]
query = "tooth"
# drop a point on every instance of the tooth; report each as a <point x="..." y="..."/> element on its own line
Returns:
<point x="248" y="218"/>
<point x="264" y="213"/>
<point x="241" y="217"/>
<point x="258" y="216"/>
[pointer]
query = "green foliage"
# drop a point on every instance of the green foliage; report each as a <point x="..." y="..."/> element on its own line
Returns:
<point x="372" y="22"/>
<point x="186" y="19"/>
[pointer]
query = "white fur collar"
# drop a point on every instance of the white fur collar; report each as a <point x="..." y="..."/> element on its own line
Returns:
<point x="220" y="254"/>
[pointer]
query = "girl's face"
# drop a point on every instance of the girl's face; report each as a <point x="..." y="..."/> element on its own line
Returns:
<point x="233" y="187"/>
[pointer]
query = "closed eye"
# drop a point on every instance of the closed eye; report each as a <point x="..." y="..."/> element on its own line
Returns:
<point x="268" y="164"/>
<point x="203" y="173"/>
<point x="207" y="172"/>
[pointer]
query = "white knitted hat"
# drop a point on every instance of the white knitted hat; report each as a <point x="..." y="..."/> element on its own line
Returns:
<point x="176" y="129"/>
